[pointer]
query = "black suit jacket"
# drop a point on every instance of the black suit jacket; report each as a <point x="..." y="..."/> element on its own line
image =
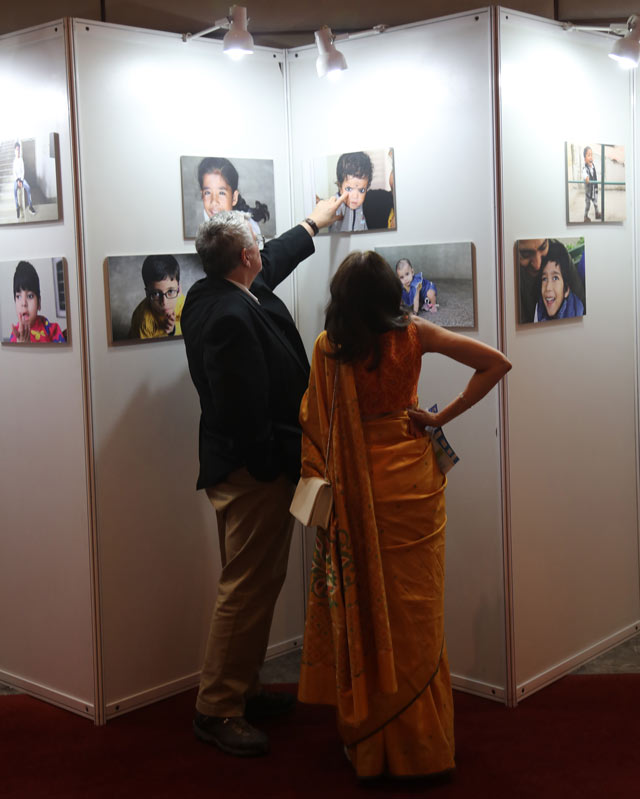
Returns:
<point x="249" y="365"/>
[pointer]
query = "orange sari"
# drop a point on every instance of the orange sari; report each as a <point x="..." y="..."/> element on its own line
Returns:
<point x="374" y="634"/>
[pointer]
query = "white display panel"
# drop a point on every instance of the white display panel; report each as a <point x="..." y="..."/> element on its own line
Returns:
<point x="45" y="592"/>
<point x="425" y="90"/>
<point x="572" y="413"/>
<point x="145" y="99"/>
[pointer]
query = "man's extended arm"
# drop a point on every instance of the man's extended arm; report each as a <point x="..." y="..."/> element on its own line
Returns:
<point x="282" y="254"/>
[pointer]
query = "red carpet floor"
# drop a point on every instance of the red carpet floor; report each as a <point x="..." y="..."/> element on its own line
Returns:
<point x="580" y="737"/>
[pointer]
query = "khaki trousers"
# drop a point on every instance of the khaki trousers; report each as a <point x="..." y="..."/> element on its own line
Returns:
<point x="254" y="528"/>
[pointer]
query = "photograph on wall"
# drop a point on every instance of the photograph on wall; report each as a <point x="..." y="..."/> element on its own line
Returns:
<point x="29" y="179"/>
<point x="550" y="279"/>
<point x="213" y="183"/>
<point x="145" y="295"/>
<point x="367" y="178"/>
<point x="596" y="183"/>
<point x="438" y="280"/>
<point x="33" y="301"/>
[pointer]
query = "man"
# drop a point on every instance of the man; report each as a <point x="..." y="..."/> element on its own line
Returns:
<point x="531" y="257"/>
<point x="250" y="369"/>
<point x="531" y="253"/>
<point x="20" y="182"/>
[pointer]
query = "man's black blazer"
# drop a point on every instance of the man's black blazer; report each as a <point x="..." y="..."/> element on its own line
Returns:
<point x="249" y="365"/>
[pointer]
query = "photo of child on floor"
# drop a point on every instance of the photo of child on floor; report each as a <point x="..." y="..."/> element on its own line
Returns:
<point x="29" y="179"/>
<point x="551" y="279"/>
<point x="418" y="293"/>
<point x="213" y="183"/>
<point x="33" y="306"/>
<point x="438" y="281"/>
<point x="367" y="178"/>
<point x="145" y="295"/>
<point x="596" y="183"/>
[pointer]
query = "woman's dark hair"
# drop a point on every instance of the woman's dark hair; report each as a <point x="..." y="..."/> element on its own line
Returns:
<point x="224" y="167"/>
<point x="366" y="301"/>
<point x="26" y="278"/>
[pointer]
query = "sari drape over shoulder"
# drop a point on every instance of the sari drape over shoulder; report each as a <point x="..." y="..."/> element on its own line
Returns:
<point x="374" y="635"/>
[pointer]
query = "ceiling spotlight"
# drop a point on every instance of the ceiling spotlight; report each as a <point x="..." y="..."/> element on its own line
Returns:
<point x="238" y="42"/>
<point x="626" y="51"/>
<point x="330" y="61"/>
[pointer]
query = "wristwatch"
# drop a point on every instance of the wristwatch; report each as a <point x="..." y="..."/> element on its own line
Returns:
<point x="312" y="225"/>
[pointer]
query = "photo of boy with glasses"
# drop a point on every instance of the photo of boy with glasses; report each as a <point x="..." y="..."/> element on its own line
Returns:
<point x="158" y="314"/>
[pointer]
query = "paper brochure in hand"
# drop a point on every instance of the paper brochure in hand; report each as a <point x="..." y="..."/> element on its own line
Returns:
<point x="443" y="450"/>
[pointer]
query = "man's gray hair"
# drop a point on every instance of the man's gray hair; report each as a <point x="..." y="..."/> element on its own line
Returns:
<point x="220" y="241"/>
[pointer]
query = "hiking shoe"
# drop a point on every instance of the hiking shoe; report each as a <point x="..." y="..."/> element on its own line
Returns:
<point x="233" y="735"/>
<point x="268" y="704"/>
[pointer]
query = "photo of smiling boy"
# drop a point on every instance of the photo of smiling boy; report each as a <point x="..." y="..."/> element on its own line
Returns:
<point x="158" y="314"/>
<point x="32" y="327"/>
<point x="531" y="256"/>
<point x="556" y="300"/>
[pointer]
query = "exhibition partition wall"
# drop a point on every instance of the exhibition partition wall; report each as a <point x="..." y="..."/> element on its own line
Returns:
<point x="46" y="614"/>
<point x="533" y="505"/>
<point x="572" y="398"/>
<point x="411" y="90"/>
<point x="144" y="101"/>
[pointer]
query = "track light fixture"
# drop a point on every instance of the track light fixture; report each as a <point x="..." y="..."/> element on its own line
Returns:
<point x="330" y="60"/>
<point x="237" y="42"/>
<point x="626" y="51"/>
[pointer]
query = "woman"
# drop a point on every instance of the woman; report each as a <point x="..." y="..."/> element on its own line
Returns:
<point x="374" y="641"/>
